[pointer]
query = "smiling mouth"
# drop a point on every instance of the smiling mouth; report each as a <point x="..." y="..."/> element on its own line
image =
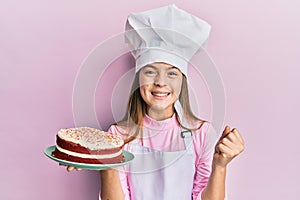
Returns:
<point x="160" y="94"/>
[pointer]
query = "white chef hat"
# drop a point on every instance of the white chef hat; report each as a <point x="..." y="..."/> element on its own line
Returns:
<point x="167" y="34"/>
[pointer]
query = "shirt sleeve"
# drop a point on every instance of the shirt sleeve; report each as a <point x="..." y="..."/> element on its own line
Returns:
<point x="122" y="171"/>
<point x="204" y="144"/>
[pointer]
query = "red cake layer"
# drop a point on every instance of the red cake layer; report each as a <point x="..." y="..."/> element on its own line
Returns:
<point x="67" y="157"/>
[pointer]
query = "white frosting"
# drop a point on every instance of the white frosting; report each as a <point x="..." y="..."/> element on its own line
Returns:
<point x="91" y="138"/>
<point x="81" y="155"/>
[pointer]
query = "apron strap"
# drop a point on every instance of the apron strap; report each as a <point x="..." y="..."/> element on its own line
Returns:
<point x="187" y="138"/>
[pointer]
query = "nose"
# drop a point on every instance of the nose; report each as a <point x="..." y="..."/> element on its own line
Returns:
<point x="160" y="80"/>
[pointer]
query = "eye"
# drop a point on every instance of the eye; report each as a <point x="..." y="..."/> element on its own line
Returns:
<point x="173" y="74"/>
<point x="149" y="72"/>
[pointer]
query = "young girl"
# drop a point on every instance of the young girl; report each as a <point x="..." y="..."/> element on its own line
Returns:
<point x="176" y="154"/>
<point x="190" y="173"/>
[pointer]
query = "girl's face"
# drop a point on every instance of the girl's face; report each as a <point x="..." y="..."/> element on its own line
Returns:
<point x="160" y="86"/>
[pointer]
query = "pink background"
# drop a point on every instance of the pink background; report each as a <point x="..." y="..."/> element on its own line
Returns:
<point x="255" y="45"/>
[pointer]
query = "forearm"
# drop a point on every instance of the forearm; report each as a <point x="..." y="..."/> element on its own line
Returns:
<point x="110" y="185"/>
<point x="215" y="188"/>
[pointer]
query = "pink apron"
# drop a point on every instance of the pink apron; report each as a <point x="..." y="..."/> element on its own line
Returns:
<point x="162" y="175"/>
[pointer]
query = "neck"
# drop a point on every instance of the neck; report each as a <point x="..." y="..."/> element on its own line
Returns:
<point x="160" y="114"/>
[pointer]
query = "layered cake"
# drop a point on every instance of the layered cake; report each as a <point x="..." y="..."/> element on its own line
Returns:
<point x="88" y="145"/>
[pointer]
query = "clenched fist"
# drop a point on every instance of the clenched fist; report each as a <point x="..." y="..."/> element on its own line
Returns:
<point x="229" y="146"/>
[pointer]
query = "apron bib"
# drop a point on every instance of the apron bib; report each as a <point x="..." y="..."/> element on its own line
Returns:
<point x="162" y="175"/>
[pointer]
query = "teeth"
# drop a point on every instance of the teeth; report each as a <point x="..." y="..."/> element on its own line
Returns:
<point x="160" y="94"/>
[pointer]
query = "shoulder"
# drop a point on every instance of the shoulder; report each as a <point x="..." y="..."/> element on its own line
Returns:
<point x="206" y="131"/>
<point x="205" y="139"/>
<point x="202" y="129"/>
<point x="205" y="135"/>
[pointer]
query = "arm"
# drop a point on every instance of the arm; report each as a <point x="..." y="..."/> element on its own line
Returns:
<point x="114" y="184"/>
<point x="230" y="145"/>
<point x="110" y="185"/>
<point x="215" y="188"/>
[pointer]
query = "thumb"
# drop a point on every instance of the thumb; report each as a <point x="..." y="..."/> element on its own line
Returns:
<point x="226" y="131"/>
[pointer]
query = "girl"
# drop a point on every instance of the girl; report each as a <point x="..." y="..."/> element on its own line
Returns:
<point x="153" y="119"/>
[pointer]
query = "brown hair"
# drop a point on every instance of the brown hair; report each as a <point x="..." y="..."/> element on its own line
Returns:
<point x="136" y="110"/>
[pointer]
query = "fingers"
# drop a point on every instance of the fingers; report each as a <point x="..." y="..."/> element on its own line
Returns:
<point x="225" y="151"/>
<point x="232" y="135"/>
<point x="229" y="149"/>
<point x="231" y="143"/>
<point x="226" y="131"/>
<point x="70" y="168"/>
<point x="238" y="135"/>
